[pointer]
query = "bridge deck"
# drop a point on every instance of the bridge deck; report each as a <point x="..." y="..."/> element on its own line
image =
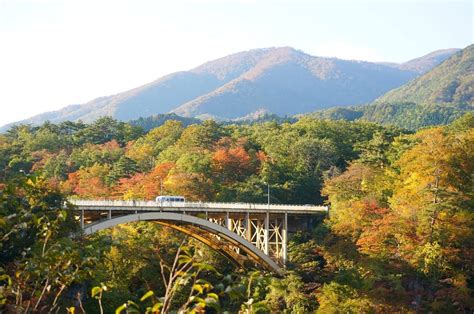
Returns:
<point x="197" y="207"/>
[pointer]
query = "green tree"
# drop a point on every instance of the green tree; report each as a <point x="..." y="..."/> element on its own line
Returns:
<point x="39" y="258"/>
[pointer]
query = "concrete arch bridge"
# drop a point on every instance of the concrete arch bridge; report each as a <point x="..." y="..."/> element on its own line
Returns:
<point x="246" y="233"/>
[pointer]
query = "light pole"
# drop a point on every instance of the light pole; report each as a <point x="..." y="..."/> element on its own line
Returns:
<point x="268" y="193"/>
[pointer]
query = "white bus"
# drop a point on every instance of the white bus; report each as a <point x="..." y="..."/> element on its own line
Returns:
<point x="167" y="199"/>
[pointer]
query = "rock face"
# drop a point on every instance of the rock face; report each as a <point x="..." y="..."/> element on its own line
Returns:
<point x="283" y="81"/>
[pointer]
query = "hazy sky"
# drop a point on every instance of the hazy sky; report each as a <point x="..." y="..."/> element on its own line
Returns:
<point x="54" y="53"/>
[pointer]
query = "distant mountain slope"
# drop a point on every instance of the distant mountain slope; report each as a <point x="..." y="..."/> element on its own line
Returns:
<point x="437" y="97"/>
<point x="288" y="81"/>
<point x="450" y="82"/>
<point x="159" y="96"/>
<point x="406" y="115"/>
<point x="427" y="62"/>
<point x="278" y="80"/>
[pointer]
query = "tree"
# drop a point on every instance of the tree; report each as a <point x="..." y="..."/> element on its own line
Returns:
<point x="193" y="186"/>
<point x="355" y="197"/>
<point x="147" y="148"/>
<point x="90" y="154"/>
<point x="144" y="185"/>
<point x="89" y="182"/>
<point x="433" y="191"/>
<point x="230" y="165"/>
<point x="39" y="259"/>
<point x="123" y="168"/>
<point x="106" y="129"/>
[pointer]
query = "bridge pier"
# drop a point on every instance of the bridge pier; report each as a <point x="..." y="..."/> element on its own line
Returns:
<point x="285" y="238"/>
<point x="248" y="225"/>
<point x="266" y="231"/>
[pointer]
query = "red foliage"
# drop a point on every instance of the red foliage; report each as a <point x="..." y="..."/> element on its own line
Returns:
<point x="143" y="185"/>
<point x="88" y="182"/>
<point x="232" y="164"/>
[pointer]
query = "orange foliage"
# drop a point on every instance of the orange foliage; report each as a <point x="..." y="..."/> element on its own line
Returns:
<point x="109" y="146"/>
<point x="377" y="237"/>
<point x="88" y="182"/>
<point x="143" y="186"/>
<point x="232" y="164"/>
<point x="261" y="156"/>
<point x="193" y="186"/>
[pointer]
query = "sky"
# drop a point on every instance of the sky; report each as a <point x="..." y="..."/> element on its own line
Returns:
<point x="54" y="53"/>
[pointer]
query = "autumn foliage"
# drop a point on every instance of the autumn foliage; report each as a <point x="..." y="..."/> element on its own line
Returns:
<point x="399" y="236"/>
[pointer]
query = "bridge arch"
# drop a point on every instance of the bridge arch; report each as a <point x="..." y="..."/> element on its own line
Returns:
<point x="200" y="229"/>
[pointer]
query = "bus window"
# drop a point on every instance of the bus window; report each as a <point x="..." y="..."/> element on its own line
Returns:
<point x="163" y="198"/>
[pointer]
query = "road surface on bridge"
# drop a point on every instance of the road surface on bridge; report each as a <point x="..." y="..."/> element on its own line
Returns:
<point x="197" y="206"/>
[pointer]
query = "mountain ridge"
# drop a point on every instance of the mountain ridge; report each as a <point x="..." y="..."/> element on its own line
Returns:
<point x="281" y="80"/>
<point x="439" y="96"/>
<point x="452" y="81"/>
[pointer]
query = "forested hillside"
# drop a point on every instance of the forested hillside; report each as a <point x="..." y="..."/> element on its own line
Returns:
<point x="399" y="237"/>
<point x="450" y="82"/>
<point x="438" y="97"/>
<point x="405" y="115"/>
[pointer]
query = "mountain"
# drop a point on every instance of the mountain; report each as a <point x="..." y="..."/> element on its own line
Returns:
<point x="440" y="96"/>
<point x="288" y="81"/>
<point x="425" y="63"/>
<point x="450" y="82"/>
<point x="282" y="81"/>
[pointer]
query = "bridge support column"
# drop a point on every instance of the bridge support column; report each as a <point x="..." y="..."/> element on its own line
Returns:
<point x="266" y="232"/>
<point x="248" y="227"/>
<point x="109" y="214"/>
<point x="285" y="239"/>
<point x="82" y="218"/>
<point x="228" y="221"/>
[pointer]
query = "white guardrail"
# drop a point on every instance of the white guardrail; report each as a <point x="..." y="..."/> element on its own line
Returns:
<point x="193" y="206"/>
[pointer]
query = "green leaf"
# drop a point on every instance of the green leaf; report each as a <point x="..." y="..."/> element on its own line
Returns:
<point x="62" y="214"/>
<point x="197" y="299"/>
<point x="199" y="288"/>
<point x="6" y="277"/>
<point x="132" y="303"/>
<point x="211" y="303"/>
<point x="95" y="291"/>
<point x="183" y="259"/>
<point x="213" y="295"/>
<point x="156" y="307"/>
<point x="259" y="307"/>
<point x="121" y="308"/>
<point x="147" y="295"/>
<point x="207" y="267"/>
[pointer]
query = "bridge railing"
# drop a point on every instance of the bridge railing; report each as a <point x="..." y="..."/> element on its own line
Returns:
<point x="195" y="205"/>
